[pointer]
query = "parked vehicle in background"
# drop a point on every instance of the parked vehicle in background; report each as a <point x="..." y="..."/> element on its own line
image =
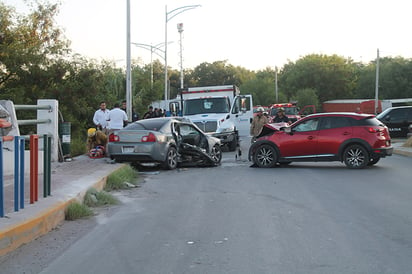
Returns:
<point x="292" y="111"/>
<point x="358" y="140"/>
<point x="352" y="105"/>
<point x="168" y="141"/>
<point x="397" y="119"/>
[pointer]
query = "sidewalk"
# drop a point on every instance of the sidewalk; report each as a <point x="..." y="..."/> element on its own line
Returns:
<point x="398" y="147"/>
<point x="69" y="182"/>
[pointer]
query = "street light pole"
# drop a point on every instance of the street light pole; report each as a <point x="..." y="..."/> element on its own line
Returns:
<point x="128" y="67"/>
<point x="152" y="50"/>
<point x="180" y="30"/>
<point x="168" y="16"/>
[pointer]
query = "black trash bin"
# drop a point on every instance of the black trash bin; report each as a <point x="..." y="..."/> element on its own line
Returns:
<point x="65" y="136"/>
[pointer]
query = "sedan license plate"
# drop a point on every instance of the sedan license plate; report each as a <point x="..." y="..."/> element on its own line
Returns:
<point x="128" y="149"/>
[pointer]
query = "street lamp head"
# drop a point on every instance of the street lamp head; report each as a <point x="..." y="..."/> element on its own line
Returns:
<point x="180" y="27"/>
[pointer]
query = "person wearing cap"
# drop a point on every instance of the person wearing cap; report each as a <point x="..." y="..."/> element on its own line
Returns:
<point x="280" y="116"/>
<point x="257" y="123"/>
<point x="96" y="143"/>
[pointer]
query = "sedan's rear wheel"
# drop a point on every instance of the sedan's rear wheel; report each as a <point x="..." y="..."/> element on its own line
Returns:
<point x="356" y="156"/>
<point x="171" y="159"/>
<point x="265" y="156"/>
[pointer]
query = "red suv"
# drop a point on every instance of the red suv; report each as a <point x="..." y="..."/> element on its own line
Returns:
<point x="358" y="140"/>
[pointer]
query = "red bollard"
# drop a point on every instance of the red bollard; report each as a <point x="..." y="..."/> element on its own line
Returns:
<point x="34" y="168"/>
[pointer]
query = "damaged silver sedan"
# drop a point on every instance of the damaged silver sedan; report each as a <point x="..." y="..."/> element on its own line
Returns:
<point x="168" y="141"/>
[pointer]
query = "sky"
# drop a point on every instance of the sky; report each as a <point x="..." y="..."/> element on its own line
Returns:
<point x="251" y="34"/>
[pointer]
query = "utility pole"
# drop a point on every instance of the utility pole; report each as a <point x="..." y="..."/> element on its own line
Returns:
<point x="276" y="85"/>
<point x="377" y="83"/>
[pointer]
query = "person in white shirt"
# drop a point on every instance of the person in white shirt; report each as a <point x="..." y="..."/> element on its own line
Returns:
<point x="117" y="118"/>
<point x="100" y="118"/>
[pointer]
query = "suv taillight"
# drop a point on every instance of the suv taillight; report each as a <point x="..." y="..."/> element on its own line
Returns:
<point x="149" y="138"/>
<point x="113" y="138"/>
<point x="374" y="129"/>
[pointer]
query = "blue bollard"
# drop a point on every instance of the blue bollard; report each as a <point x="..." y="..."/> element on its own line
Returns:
<point x="22" y="143"/>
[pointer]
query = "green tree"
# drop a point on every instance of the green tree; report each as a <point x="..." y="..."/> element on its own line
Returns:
<point x="395" y="80"/>
<point x="305" y="97"/>
<point x="333" y="77"/>
<point x="29" y="45"/>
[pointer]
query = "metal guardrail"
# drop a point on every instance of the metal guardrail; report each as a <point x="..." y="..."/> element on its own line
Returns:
<point x="33" y="121"/>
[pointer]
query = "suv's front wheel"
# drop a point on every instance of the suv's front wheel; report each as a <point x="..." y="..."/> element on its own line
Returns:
<point x="356" y="156"/>
<point x="265" y="156"/>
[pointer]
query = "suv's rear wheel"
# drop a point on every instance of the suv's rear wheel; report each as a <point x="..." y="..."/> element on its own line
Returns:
<point x="356" y="156"/>
<point x="265" y="156"/>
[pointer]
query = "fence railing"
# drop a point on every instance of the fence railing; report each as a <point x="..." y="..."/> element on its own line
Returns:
<point x="19" y="171"/>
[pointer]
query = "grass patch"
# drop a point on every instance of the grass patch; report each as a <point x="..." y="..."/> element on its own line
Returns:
<point x="94" y="198"/>
<point x="76" y="211"/>
<point x="120" y="178"/>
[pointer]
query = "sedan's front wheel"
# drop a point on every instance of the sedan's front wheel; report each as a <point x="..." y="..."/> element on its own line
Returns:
<point x="216" y="154"/>
<point x="265" y="156"/>
<point x="171" y="159"/>
<point x="356" y="156"/>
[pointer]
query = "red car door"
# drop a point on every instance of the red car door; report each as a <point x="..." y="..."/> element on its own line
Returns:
<point x="333" y="131"/>
<point x="302" y="141"/>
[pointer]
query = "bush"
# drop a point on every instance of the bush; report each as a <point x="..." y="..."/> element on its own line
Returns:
<point x="120" y="178"/>
<point x="94" y="198"/>
<point x="76" y="211"/>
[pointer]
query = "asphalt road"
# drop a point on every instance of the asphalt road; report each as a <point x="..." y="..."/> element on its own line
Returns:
<point x="303" y="218"/>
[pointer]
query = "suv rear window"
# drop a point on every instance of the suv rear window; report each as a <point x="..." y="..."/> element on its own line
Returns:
<point x="335" y="122"/>
<point x="370" y="121"/>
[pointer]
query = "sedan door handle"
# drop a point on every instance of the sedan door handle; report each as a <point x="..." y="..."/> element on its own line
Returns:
<point x="310" y="137"/>
<point x="346" y="133"/>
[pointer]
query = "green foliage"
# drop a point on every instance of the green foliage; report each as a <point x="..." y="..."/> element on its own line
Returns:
<point x="76" y="211"/>
<point x="306" y="97"/>
<point x="215" y="74"/>
<point x="331" y="76"/>
<point x="119" y="178"/>
<point x="94" y="198"/>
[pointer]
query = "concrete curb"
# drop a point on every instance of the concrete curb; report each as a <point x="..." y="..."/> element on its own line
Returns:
<point x="38" y="219"/>
<point x="404" y="152"/>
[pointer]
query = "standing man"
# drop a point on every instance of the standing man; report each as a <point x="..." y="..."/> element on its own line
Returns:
<point x="135" y="115"/>
<point x="117" y="118"/>
<point x="100" y="118"/>
<point x="257" y="124"/>
<point x="281" y="117"/>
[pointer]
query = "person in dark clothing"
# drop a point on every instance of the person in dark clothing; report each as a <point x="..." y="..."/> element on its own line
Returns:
<point x="135" y="115"/>
<point x="281" y="117"/>
<point x="149" y="114"/>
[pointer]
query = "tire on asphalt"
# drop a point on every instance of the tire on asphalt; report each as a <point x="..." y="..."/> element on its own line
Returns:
<point x="356" y="157"/>
<point x="171" y="161"/>
<point x="265" y="156"/>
